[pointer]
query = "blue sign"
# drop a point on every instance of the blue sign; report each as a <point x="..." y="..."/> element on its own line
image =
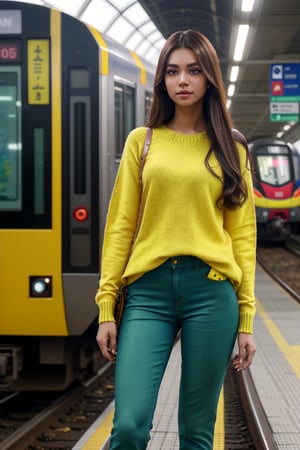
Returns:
<point x="285" y="82"/>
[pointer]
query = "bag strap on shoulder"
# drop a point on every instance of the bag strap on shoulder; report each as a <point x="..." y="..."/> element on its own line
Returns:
<point x="144" y="154"/>
<point x="143" y="160"/>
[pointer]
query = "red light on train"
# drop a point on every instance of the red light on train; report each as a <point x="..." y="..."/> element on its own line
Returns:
<point x="80" y="214"/>
<point x="257" y="193"/>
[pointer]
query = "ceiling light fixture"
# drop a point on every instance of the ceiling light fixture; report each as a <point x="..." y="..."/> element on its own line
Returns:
<point x="234" y="73"/>
<point x="247" y="5"/>
<point x="231" y="89"/>
<point x="228" y="103"/>
<point x="240" y="42"/>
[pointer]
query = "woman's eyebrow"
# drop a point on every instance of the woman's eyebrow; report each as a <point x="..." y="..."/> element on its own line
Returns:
<point x="188" y="65"/>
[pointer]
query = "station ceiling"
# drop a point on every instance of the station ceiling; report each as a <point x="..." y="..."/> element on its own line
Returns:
<point x="273" y="37"/>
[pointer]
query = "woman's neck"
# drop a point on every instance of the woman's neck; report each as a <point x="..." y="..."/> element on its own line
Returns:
<point x="186" y="123"/>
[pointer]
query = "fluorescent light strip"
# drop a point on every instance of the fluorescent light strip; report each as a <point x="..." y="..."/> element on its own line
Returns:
<point x="231" y="89"/>
<point x="234" y="73"/>
<point x="240" y="42"/>
<point x="247" y="5"/>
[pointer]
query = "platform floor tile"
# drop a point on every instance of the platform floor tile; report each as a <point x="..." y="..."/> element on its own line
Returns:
<point x="276" y="366"/>
<point x="165" y="425"/>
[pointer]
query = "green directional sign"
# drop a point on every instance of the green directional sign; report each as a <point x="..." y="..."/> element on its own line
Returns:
<point x="284" y="117"/>
<point x="295" y="98"/>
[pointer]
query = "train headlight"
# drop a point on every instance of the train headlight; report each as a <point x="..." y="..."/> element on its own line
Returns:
<point x="40" y="286"/>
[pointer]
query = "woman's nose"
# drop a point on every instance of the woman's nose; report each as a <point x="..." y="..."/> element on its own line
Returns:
<point x="182" y="79"/>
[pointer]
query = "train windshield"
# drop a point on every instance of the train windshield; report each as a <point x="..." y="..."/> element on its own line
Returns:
<point x="274" y="169"/>
<point x="10" y="139"/>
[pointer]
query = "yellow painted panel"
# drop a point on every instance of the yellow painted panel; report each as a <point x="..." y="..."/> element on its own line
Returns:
<point x="56" y="71"/>
<point x="38" y="71"/>
<point x="104" y="55"/>
<point x="30" y="252"/>
<point x="139" y="63"/>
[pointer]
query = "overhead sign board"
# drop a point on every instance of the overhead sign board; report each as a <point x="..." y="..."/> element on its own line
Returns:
<point x="285" y="82"/>
<point x="284" y="92"/>
<point x="284" y="108"/>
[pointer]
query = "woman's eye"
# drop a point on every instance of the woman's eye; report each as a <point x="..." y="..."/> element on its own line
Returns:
<point x="196" y="71"/>
<point x="171" y="72"/>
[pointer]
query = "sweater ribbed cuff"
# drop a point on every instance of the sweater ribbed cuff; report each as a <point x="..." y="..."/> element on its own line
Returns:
<point x="246" y="323"/>
<point x="106" y="311"/>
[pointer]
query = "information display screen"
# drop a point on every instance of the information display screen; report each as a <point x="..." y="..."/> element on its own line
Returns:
<point x="10" y="51"/>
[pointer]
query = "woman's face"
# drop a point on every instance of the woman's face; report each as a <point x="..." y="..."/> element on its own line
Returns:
<point x="185" y="81"/>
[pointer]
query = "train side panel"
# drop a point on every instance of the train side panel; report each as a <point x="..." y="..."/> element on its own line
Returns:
<point x="30" y="212"/>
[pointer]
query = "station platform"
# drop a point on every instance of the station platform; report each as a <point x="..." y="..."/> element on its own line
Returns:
<point x="276" y="366"/>
<point x="275" y="372"/>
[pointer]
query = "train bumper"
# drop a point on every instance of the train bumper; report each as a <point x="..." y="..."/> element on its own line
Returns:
<point x="275" y="224"/>
<point x="264" y="215"/>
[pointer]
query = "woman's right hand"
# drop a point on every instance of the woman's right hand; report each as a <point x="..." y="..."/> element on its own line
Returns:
<point x="107" y="340"/>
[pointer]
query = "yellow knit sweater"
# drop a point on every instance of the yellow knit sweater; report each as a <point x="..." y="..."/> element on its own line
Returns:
<point x="180" y="217"/>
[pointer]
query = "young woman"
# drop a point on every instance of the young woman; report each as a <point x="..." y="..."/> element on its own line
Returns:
<point x="191" y="265"/>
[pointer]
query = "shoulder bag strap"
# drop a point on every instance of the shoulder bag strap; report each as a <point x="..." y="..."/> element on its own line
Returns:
<point x="144" y="154"/>
<point x="143" y="160"/>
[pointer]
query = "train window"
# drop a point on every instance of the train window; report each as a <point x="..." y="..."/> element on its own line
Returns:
<point x="274" y="169"/>
<point x="39" y="170"/>
<point x="124" y="115"/>
<point x="79" y="78"/>
<point x="80" y="148"/>
<point x="10" y="139"/>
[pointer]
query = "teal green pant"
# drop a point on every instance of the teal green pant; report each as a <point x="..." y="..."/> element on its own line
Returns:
<point x="175" y="296"/>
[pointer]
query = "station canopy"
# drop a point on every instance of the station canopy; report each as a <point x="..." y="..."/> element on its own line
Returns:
<point x="123" y="20"/>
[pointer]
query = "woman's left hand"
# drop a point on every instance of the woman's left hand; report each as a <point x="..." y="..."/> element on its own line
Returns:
<point x="247" y="351"/>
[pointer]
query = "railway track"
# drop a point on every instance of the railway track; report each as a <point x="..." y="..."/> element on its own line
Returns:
<point x="282" y="263"/>
<point x="65" y="418"/>
<point x="62" y="419"/>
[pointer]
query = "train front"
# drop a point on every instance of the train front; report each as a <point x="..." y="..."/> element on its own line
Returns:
<point x="276" y="188"/>
<point x="49" y="84"/>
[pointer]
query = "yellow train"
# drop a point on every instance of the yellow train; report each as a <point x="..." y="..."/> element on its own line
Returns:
<point x="68" y="98"/>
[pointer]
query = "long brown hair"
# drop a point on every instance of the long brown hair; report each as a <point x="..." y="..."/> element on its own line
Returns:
<point x="217" y="119"/>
